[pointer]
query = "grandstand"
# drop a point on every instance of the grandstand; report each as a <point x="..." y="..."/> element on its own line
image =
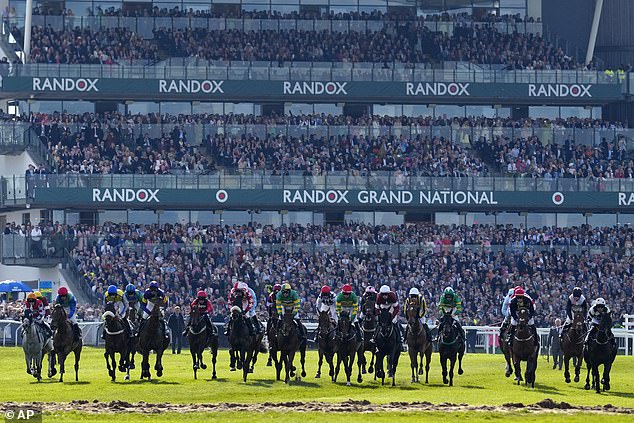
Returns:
<point x="413" y="143"/>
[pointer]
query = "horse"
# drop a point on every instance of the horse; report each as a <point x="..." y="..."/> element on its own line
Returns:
<point x="152" y="338"/>
<point x="326" y="343"/>
<point x="116" y="342"/>
<point x="64" y="340"/>
<point x="241" y="342"/>
<point x="600" y="350"/>
<point x="417" y="344"/>
<point x="525" y="348"/>
<point x="257" y="345"/>
<point x="572" y="346"/>
<point x="451" y="347"/>
<point x="505" y="348"/>
<point x="387" y="346"/>
<point x="289" y="342"/>
<point x="369" y="328"/>
<point x="134" y="322"/>
<point x="347" y="347"/>
<point x="199" y="338"/>
<point x="35" y="345"/>
<point x="271" y="336"/>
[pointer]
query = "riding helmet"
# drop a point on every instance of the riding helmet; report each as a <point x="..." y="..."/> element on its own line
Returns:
<point x="112" y="290"/>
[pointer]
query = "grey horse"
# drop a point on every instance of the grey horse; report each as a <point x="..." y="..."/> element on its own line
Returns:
<point x="35" y="345"/>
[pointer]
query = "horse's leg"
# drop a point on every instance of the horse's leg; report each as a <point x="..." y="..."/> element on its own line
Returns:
<point x="566" y="367"/>
<point x="159" y="363"/>
<point x="577" y="368"/>
<point x="38" y="366"/>
<point x="338" y="367"/>
<point x="287" y="366"/>
<point x="443" y="365"/>
<point x="319" y="363"/>
<point x="302" y="359"/>
<point x="246" y="359"/>
<point x="595" y="377"/>
<point x="214" y="356"/>
<point x="361" y="359"/>
<point x="359" y="377"/>
<point x="145" y="365"/>
<point x="509" y="367"/>
<point x="348" y="368"/>
<point x="278" y="364"/>
<point x="27" y="359"/>
<point x="77" y="358"/>
<point x="413" y="362"/>
<point x="606" y="375"/>
<point x="427" y="363"/>
<point x="451" y="367"/>
<point x="62" y="370"/>
<point x="106" y="355"/>
<point x="194" y="360"/>
<point x="371" y="368"/>
<point x="588" y="368"/>
<point x="113" y="359"/>
<point x="460" y="355"/>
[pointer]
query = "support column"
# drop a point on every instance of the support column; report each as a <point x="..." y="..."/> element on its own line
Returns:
<point x="598" y="7"/>
<point x="28" y="14"/>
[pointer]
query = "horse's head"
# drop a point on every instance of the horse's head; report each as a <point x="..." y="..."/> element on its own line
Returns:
<point x="27" y="319"/>
<point x="238" y="297"/>
<point x="385" y="317"/>
<point x="324" y="321"/>
<point x="194" y="315"/>
<point x="58" y="316"/>
<point x="577" y="321"/>
<point x="522" y="318"/>
<point x="605" y="322"/>
<point x="412" y="315"/>
<point x="109" y="307"/>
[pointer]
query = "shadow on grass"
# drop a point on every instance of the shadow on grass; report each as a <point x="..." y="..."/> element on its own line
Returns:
<point x="473" y="387"/>
<point x="543" y="388"/>
<point x="220" y="379"/>
<point x="620" y="394"/>
<point x="266" y="383"/>
<point x="81" y="382"/>
<point x="153" y="382"/>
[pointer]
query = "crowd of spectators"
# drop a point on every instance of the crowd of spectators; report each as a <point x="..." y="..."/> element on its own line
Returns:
<point x="530" y="157"/>
<point x="185" y="258"/>
<point x="408" y="43"/>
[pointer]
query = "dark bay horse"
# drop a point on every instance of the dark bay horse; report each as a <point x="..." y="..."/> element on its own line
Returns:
<point x="271" y="336"/>
<point x="417" y="345"/>
<point x="134" y="321"/>
<point x="347" y="347"/>
<point x="64" y="340"/>
<point x="200" y="337"/>
<point x="451" y="348"/>
<point x="326" y="343"/>
<point x="505" y="348"/>
<point x="289" y="343"/>
<point x="572" y="346"/>
<point x="524" y="348"/>
<point x="387" y="347"/>
<point x="600" y="350"/>
<point x="152" y="338"/>
<point x="257" y="345"/>
<point x="241" y="342"/>
<point x="116" y="342"/>
<point x="368" y="328"/>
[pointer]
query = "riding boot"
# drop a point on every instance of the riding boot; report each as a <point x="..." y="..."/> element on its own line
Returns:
<point x="300" y="327"/>
<point x="357" y="328"/>
<point x="427" y="332"/>
<point x="226" y="329"/>
<point x="103" y="333"/>
<point x="256" y="324"/>
<point x="77" y="332"/>
<point x="564" y="329"/>
<point x="534" y="328"/>
<point x="399" y="331"/>
<point x="165" y="331"/>
<point x="510" y="337"/>
<point x="438" y="332"/>
<point x="210" y="326"/>
<point x="590" y="333"/>
<point x="186" y="328"/>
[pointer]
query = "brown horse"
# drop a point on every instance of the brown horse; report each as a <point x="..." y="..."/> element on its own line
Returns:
<point x="417" y="345"/>
<point x="572" y="346"/>
<point x="116" y="342"/>
<point x="326" y="343"/>
<point x="199" y="338"/>
<point x="64" y="340"/>
<point x="368" y="328"/>
<point x="348" y="346"/>
<point x="505" y="348"/>
<point x="134" y="321"/>
<point x="525" y="348"/>
<point x="152" y="338"/>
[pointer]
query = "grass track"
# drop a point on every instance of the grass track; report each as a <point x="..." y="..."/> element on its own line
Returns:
<point x="274" y="417"/>
<point x="482" y="384"/>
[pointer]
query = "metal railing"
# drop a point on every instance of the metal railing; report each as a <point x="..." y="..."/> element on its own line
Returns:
<point x="146" y="25"/>
<point x="311" y="71"/>
<point x="18" y="133"/>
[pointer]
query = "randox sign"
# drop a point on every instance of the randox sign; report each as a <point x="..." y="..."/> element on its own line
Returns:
<point x="334" y="199"/>
<point x="283" y="91"/>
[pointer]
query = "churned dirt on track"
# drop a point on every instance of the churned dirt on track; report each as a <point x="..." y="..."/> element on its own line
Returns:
<point x="98" y="407"/>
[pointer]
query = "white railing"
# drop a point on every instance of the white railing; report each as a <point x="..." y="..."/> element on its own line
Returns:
<point x="486" y="336"/>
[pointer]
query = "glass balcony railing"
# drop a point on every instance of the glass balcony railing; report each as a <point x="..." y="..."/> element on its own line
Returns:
<point x="147" y="25"/>
<point x="308" y="71"/>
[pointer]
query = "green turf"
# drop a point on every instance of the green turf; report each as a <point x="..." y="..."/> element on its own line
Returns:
<point x="482" y="383"/>
<point x="263" y="417"/>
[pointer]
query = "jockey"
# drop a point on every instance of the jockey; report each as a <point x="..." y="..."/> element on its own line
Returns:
<point x="68" y="301"/>
<point x="154" y="297"/>
<point x="47" y="306"/>
<point x="37" y="312"/>
<point x="368" y="298"/>
<point x="134" y="298"/>
<point x="577" y="304"/>
<point x="450" y="304"/>
<point x="205" y="309"/>
<point x="597" y="310"/>
<point x="47" y="311"/>
<point x="521" y="300"/>
<point x="348" y="301"/>
<point x="326" y="302"/>
<point x="416" y="300"/>
<point x="289" y="298"/>
<point x="505" y="309"/>
<point x="249" y="304"/>
<point x="270" y="300"/>
<point x="387" y="300"/>
<point x="116" y="297"/>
